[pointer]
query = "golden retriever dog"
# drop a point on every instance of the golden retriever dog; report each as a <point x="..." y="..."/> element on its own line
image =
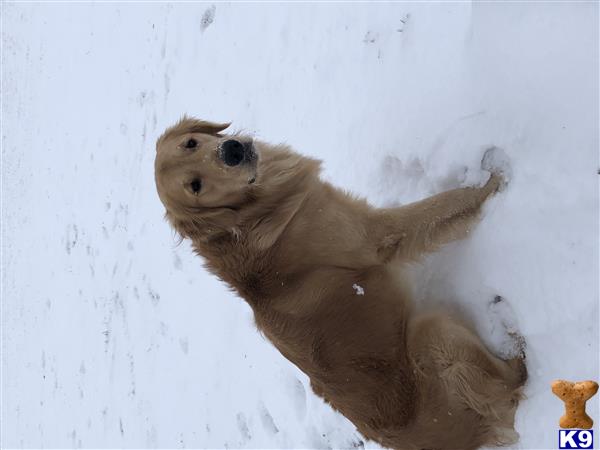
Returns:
<point x="320" y="270"/>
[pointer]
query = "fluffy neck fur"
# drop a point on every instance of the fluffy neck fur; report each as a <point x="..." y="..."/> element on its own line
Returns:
<point x="239" y="244"/>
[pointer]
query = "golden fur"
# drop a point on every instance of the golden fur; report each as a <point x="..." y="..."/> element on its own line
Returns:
<point x="301" y="253"/>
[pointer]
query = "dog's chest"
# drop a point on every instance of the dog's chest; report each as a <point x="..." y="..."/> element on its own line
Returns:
<point x="246" y="271"/>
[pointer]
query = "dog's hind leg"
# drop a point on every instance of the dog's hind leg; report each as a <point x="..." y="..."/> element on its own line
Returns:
<point x="505" y="328"/>
<point x="470" y="382"/>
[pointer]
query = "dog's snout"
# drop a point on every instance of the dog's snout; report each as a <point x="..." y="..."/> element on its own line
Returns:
<point x="233" y="152"/>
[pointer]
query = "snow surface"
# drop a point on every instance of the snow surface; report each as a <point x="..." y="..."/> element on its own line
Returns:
<point x="114" y="336"/>
<point x="358" y="289"/>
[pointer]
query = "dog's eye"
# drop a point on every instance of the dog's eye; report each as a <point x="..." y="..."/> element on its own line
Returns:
<point x="195" y="186"/>
<point x="191" y="143"/>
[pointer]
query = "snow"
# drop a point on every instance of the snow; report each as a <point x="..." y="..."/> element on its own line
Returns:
<point x="359" y="289"/>
<point x="114" y="336"/>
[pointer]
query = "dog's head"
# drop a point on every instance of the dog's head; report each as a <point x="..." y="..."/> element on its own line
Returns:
<point x="201" y="172"/>
<point x="211" y="182"/>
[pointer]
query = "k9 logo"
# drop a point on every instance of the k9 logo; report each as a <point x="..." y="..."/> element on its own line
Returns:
<point x="575" y="439"/>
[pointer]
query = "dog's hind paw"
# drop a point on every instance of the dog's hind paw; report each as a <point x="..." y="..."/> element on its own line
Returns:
<point x="511" y="341"/>
<point x="518" y="363"/>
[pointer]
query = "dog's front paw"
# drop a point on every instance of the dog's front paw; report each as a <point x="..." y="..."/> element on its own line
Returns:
<point x="496" y="161"/>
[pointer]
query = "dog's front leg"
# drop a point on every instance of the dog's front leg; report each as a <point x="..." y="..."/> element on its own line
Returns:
<point x="408" y="231"/>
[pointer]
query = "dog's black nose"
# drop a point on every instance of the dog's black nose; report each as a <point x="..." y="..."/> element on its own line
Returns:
<point x="234" y="152"/>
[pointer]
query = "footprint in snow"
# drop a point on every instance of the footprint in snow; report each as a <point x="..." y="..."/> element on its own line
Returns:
<point x="267" y="420"/>
<point x="298" y="397"/>
<point x="243" y="427"/>
<point x="370" y="38"/>
<point x="208" y="18"/>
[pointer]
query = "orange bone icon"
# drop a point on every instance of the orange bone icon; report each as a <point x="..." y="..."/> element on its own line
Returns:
<point x="575" y="395"/>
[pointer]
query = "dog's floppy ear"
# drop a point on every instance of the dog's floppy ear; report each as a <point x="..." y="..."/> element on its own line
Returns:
<point x="203" y="126"/>
<point x="192" y="125"/>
